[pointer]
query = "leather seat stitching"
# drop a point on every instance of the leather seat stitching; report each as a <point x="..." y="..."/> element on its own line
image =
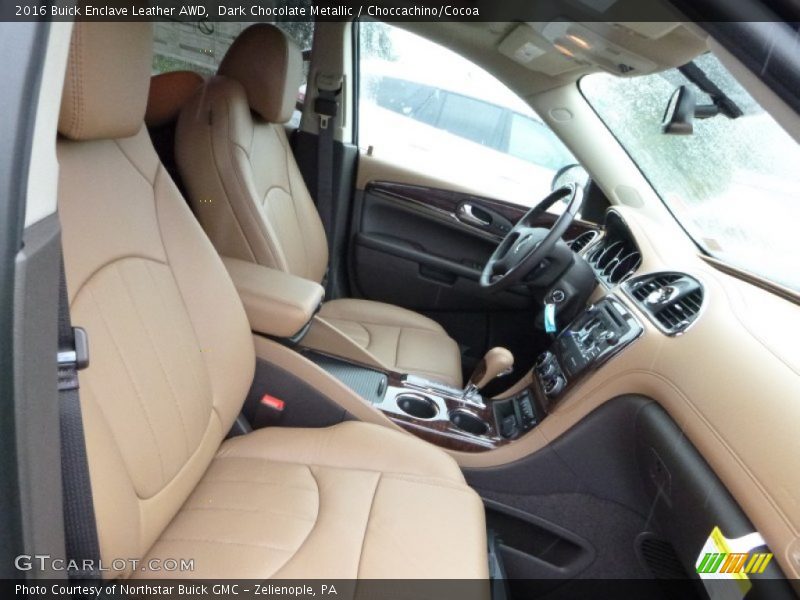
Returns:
<point x="133" y="383"/>
<point x="255" y="482"/>
<point x="315" y="520"/>
<point x="278" y="513"/>
<point x="332" y="321"/>
<point x="227" y="542"/>
<point x="200" y="384"/>
<point x="362" y="322"/>
<point x="176" y="401"/>
<point x="150" y="182"/>
<point x="287" y="156"/>
<point x="366" y="523"/>
<point x="216" y="172"/>
<point x="243" y="188"/>
<point x="77" y="81"/>
<point x="365" y="469"/>
<point x="109" y="263"/>
<point x="397" y="345"/>
<point x="181" y="296"/>
<point x="227" y="144"/>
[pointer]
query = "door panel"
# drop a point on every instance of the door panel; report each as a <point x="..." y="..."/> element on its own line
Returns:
<point x="420" y="255"/>
<point x="434" y="242"/>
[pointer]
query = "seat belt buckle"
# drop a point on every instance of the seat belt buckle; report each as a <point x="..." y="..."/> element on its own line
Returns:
<point x="326" y="104"/>
<point x="326" y="107"/>
<point x="74" y="359"/>
<point x="78" y="355"/>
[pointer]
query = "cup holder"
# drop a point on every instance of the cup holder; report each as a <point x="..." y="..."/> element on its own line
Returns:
<point x="417" y="406"/>
<point x="468" y="422"/>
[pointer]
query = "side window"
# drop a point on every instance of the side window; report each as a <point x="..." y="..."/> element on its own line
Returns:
<point x="471" y="118"/>
<point x="200" y="46"/>
<point x="530" y="140"/>
<point x="427" y="109"/>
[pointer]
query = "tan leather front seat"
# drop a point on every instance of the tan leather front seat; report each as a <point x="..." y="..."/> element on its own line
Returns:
<point x="247" y="191"/>
<point x="171" y="362"/>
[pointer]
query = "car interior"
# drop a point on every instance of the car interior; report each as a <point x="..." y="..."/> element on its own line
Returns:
<point x="302" y="353"/>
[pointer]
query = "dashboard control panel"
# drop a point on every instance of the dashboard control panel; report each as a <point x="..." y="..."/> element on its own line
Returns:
<point x="596" y="335"/>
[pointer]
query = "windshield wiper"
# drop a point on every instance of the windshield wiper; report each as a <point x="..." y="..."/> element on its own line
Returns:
<point x="722" y="101"/>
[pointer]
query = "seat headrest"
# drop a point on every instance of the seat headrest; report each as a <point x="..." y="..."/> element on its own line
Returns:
<point x="108" y="75"/>
<point x="270" y="68"/>
<point x="169" y="93"/>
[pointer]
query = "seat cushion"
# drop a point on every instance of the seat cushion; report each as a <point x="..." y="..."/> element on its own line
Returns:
<point x="353" y="500"/>
<point x="401" y="339"/>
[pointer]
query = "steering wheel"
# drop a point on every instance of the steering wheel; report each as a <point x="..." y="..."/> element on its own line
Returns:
<point x="525" y="246"/>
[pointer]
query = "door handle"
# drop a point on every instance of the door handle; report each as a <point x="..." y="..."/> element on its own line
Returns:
<point x="473" y="216"/>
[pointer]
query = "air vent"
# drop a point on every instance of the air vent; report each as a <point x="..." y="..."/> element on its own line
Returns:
<point x="614" y="261"/>
<point x="583" y="240"/>
<point x="615" y="258"/>
<point x="671" y="300"/>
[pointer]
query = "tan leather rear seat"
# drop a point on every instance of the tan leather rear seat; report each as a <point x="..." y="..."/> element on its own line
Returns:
<point x="171" y="361"/>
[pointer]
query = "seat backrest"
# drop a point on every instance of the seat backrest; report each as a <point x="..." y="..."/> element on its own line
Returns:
<point x="234" y="157"/>
<point x="170" y="348"/>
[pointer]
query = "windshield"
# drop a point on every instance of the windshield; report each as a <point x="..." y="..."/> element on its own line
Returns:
<point x="734" y="184"/>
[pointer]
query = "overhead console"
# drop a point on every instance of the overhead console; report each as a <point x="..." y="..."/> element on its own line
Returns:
<point x="602" y="331"/>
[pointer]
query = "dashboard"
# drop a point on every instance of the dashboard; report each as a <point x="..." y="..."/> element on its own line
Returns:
<point x="716" y="352"/>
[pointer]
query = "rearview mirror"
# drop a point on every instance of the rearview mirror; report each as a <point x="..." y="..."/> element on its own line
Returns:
<point x="682" y="110"/>
<point x="679" y="116"/>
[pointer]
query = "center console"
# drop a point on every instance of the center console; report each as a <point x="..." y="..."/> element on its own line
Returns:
<point x="593" y="338"/>
<point x="462" y="420"/>
<point x="441" y="414"/>
<point x="444" y="415"/>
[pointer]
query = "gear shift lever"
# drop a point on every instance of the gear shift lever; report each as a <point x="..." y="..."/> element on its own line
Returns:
<point x="498" y="362"/>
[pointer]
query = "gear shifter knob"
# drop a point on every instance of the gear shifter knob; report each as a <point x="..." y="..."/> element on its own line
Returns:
<point x="498" y="362"/>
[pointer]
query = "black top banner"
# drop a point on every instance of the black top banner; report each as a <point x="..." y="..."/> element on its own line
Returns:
<point x="394" y="10"/>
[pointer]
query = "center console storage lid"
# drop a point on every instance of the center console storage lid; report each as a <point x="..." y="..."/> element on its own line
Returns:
<point x="277" y="303"/>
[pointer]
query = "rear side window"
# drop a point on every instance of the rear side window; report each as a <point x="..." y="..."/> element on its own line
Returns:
<point x="199" y="47"/>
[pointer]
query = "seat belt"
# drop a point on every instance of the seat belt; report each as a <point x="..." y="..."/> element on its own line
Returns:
<point x="326" y="105"/>
<point x="80" y="527"/>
